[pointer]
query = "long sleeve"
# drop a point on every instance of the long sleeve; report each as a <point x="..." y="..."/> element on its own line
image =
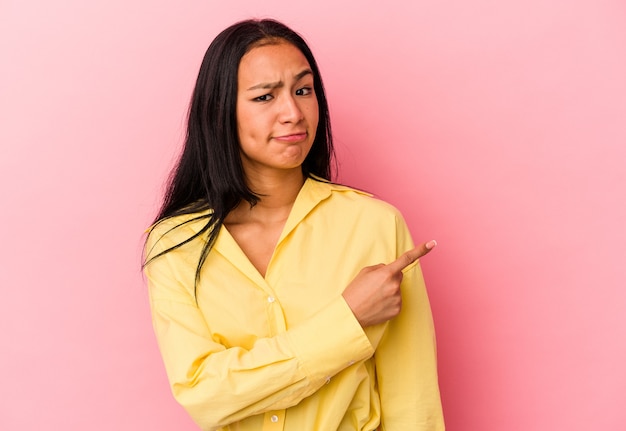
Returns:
<point x="283" y="351"/>
<point x="406" y="363"/>
<point x="219" y="385"/>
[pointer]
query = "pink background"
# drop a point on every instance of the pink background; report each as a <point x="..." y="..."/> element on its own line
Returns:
<point x="498" y="128"/>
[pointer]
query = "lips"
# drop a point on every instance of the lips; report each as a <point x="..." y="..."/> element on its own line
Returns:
<point x="292" y="137"/>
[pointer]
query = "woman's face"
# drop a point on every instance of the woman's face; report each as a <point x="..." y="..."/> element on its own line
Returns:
<point x="277" y="112"/>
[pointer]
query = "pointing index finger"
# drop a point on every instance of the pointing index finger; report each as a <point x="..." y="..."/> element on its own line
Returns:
<point x="411" y="256"/>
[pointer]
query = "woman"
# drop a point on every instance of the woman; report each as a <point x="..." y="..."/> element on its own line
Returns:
<point x="270" y="303"/>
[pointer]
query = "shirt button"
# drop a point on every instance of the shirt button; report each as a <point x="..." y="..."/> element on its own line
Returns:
<point x="327" y="380"/>
<point x="271" y="299"/>
<point x="274" y="418"/>
<point x="351" y="363"/>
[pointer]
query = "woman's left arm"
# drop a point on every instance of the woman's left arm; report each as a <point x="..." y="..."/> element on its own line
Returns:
<point x="406" y="357"/>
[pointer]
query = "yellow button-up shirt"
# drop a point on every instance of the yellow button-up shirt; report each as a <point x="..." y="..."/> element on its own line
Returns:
<point x="284" y="351"/>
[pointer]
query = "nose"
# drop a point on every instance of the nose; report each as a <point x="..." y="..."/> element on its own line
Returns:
<point x="290" y="111"/>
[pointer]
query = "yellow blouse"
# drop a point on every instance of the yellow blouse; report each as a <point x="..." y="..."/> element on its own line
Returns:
<point x="284" y="351"/>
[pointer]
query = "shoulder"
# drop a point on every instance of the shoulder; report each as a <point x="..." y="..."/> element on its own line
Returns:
<point x="354" y="200"/>
<point x="353" y="210"/>
<point x="367" y="219"/>
<point x="173" y="231"/>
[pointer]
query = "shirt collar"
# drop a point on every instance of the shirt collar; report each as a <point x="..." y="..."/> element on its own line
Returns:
<point x="314" y="191"/>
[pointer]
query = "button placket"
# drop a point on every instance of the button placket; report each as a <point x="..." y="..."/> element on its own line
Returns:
<point x="274" y="421"/>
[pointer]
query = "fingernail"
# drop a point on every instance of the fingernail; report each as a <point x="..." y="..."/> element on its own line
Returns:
<point x="431" y="244"/>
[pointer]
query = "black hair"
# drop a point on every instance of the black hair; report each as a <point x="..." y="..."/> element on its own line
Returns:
<point x="209" y="174"/>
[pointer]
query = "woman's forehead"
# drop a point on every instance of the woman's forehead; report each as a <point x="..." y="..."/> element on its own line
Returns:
<point x="274" y="61"/>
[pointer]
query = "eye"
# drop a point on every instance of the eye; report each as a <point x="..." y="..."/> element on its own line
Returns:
<point x="304" y="91"/>
<point x="263" y="98"/>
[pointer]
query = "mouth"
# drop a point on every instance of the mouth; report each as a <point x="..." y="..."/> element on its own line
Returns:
<point x="292" y="137"/>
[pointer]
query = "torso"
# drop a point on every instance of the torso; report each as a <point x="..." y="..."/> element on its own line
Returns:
<point x="256" y="229"/>
<point x="257" y="241"/>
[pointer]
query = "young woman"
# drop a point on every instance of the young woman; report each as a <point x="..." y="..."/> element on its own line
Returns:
<point x="282" y="301"/>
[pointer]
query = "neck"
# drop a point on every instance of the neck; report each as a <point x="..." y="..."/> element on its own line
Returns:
<point x="277" y="191"/>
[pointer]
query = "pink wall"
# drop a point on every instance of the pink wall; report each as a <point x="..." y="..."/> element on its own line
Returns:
<point x="498" y="128"/>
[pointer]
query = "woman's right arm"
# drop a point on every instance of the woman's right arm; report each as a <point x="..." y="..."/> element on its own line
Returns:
<point x="219" y="385"/>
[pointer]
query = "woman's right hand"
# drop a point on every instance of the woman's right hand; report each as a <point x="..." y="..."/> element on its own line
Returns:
<point x="374" y="295"/>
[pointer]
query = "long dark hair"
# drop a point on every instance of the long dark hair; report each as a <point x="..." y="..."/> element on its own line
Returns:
<point x="209" y="174"/>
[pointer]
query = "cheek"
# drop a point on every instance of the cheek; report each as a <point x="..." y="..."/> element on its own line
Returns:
<point x="247" y="124"/>
<point x="314" y="114"/>
<point x="239" y="118"/>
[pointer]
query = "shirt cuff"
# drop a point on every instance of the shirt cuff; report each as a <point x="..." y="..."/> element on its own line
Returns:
<point x="330" y="341"/>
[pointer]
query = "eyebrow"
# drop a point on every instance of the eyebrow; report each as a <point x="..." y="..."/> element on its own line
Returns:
<point x="278" y="84"/>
